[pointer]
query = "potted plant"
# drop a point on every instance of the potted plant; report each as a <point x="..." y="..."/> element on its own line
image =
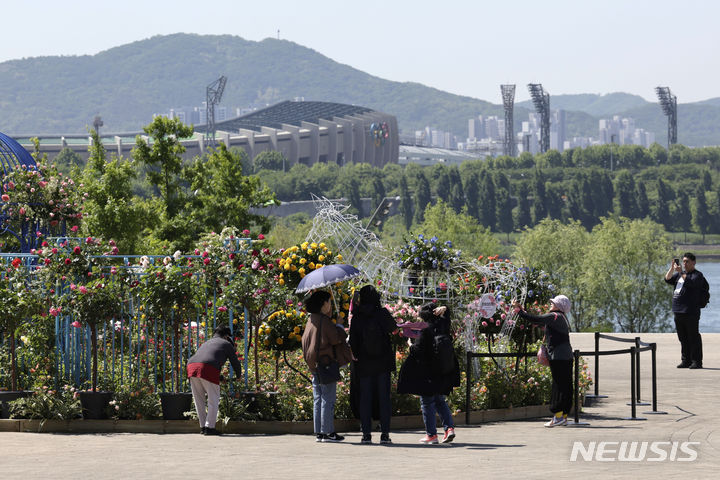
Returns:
<point x="91" y="291"/>
<point x="168" y="294"/>
<point x="20" y="299"/>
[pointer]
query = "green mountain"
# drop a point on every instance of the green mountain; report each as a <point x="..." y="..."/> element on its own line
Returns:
<point x="595" y="105"/>
<point x="126" y="85"/>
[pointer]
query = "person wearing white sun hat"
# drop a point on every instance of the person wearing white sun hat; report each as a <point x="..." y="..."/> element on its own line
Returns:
<point x="557" y="333"/>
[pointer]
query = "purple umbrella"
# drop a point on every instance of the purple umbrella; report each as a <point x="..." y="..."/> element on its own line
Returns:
<point x="327" y="275"/>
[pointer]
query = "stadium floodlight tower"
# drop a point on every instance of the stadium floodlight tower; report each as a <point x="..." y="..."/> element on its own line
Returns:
<point x="668" y="103"/>
<point x="508" y="96"/>
<point x="213" y="95"/>
<point x="541" y="101"/>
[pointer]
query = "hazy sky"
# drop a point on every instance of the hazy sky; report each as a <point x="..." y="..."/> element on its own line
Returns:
<point x="464" y="47"/>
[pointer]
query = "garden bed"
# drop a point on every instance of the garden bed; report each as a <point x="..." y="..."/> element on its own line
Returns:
<point x="405" y="422"/>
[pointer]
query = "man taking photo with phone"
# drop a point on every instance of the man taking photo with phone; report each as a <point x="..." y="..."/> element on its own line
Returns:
<point x="691" y="293"/>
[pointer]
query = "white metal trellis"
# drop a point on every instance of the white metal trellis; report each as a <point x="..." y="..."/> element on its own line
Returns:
<point x="363" y="249"/>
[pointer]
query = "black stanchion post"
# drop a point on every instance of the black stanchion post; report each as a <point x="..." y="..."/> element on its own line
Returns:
<point x="638" y="396"/>
<point x="653" y="357"/>
<point x="633" y="352"/>
<point x="596" y="380"/>
<point x="468" y="381"/>
<point x="597" y="364"/>
<point x="576" y="391"/>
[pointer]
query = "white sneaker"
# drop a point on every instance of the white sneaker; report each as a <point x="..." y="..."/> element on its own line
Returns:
<point x="556" y="422"/>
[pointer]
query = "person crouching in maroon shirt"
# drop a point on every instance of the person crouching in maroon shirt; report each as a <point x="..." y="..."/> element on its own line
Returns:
<point x="204" y="374"/>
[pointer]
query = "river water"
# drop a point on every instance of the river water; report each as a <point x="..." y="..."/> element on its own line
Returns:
<point x="710" y="315"/>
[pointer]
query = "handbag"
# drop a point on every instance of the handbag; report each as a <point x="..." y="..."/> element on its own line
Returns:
<point x="328" y="369"/>
<point x="543" y="356"/>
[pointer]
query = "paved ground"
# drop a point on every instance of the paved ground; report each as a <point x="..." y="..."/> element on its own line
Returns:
<point x="516" y="449"/>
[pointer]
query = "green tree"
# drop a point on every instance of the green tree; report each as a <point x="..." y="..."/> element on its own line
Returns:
<point x="111" y="210"/>
<point x="522" y="217"/>
<point x="406" y="206"/>
<point x="682" y="216"/>
<point x="460" y="228"/>
<point x="701" y="216"/>
<point x="539" y="207"/>
<point x="443" y="186"/>
<point x="422" y="196"/>
<point x="487" y="200"/>
<point x="353" y="193"/>
<point x="660" y="211"/>
<point x="643" y="204"/>
<point x="162" y="156"/>
<point x="269" y="160"/>
<point x="503" y="204"/>
<point x="222" y="196"/>
<point x="378" y="191"/>
<point x="472" y="197"/>
<point x="625" y="195"/>
<point x="559" y="249"/>
<point x="624" y="267"/>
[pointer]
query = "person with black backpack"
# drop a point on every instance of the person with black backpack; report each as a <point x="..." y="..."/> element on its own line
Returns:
<point x="691" y="293"/>
<point x="432" y="370"/>
<point x="370" y="329"/>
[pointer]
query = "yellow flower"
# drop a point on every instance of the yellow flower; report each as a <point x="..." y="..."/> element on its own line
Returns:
<point x="234" y="321"/>
<point x="345" y="296"/>
<point x="321" y="258"/>
<point x="339" y="257"/>
<point x="279" y="341"/>
<point x="296" y="329"/>
<point x="313" y="245"/>
<point x="346" y="306"/>
<point x="309" y="251"/>
<point x="142" y="316"/>
<point x="318" y="265"/>
<point x="311" y="265"/>
<point x="303" y="261"/>
<point x="301" y="271"/>
<point x="288" y="315"/>
<point x="304" y="245"/>
<point x="202" y="324"/>
<point x="286" y="266"/>
<point x="341" y="314"/>
<point x="281" y="281"/>
<point x="266" y="342"/>
<point x="293" y="268"/>
<point x="293" y="256"/>
<point x="322" y="245"/>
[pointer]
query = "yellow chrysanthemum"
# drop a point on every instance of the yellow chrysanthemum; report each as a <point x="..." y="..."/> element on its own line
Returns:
<point x="296" y="329"/>
<point x="321" y="258"/>
<point x="313" y="245"/>
<point x="318" y="265"/>
<point x="279" y="341"/>
<point x="293" y="256"/>
<point x="339" y="257"/>
<point x="310" y="251"/>
<point x="311" y="265"/>
<point x="281" y="281"/>
<point x="303" y="261"/>
<point x="322" y="245"/>
<point x="286" y="266"/>
<point x="293" y="268"/>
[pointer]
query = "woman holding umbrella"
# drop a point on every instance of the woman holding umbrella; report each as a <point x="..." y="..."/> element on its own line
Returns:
<point x="323" y="341"/>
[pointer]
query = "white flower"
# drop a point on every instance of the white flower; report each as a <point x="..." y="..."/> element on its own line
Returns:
<point x="177" y="255"/>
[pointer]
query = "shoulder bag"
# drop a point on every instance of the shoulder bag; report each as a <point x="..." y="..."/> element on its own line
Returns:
<point x="328" y="368"/>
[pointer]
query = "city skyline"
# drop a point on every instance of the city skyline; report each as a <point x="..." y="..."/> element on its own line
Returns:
<point x="454" y="46"/>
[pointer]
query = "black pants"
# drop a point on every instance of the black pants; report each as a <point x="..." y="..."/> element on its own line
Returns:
<point x="687" y="327"/>
<point x="374" y="388"/>
<point x="562" y="381"/>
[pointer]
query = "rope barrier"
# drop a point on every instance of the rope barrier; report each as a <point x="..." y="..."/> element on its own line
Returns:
<point x="634" y="352"/>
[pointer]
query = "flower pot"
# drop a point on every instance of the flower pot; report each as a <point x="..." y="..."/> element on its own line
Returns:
<point x="174" y="405"/>
<point x="9" y="396"/>
<point x="94" y="404"/>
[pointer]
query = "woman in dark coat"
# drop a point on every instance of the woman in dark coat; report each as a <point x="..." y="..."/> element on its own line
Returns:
<point x="420" y="375"/>
<point x="370" y="331"/>
<point x="557" y="333"/>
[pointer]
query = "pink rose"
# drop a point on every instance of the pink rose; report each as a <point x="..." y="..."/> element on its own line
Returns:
<point x="5" y="197"/>
<point x="74" y="228"/>
<point x="76" y="324"/>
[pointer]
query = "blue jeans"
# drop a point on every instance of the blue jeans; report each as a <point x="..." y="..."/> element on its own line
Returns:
<point x="429" y="406"/>
<point x="381" y="384"/>
<point x="324" y="406"/>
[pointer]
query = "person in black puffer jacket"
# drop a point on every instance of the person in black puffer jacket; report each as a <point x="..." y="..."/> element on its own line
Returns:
<point x="419" y="376"/>
<point x="370" y="330"/>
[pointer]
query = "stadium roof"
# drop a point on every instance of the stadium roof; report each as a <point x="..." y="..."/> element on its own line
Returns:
<point x="288" y="112"/>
